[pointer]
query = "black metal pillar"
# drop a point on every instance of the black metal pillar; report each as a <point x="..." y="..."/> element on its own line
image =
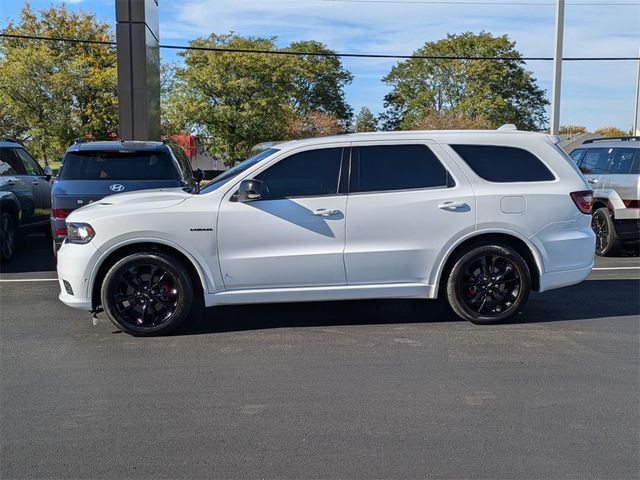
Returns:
<point x="138" y="38"/>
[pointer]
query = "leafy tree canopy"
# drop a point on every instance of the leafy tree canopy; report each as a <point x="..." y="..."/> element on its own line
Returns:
<point x="53" y="92"/>
<point x="366" y="121"/>
<point x="241" y="99"/>
<point x="497" y="91"/>
<point x="611" y="132"/>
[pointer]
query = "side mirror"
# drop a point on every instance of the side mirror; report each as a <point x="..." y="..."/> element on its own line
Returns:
<point x="198" y="174"/>
<point x="249" y="190"/>
<point x="48" y="172"/>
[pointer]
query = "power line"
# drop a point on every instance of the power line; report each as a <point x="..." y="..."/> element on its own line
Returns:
<point x="323" y="54"/>
<point x="507" y="3"/>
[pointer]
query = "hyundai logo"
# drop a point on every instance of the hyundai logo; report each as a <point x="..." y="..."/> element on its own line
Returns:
<point x="116" y="187"/>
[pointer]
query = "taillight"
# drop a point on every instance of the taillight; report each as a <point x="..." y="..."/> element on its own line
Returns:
<point x="631" y="203"/>
<point x="61" y="231"/>
<point x="583" y="200"/>
<point x="61" y="212"/>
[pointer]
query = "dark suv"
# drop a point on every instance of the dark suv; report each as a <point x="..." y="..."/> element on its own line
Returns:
<point x="92" y="170"/>
<point x="25" y="195"/>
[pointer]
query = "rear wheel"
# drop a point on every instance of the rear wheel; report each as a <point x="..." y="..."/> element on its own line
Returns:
<point x="488" y="284"/>
<point x="147" y="294"/>
<point x="607" y="242"/>
<point x="7" y="237"/>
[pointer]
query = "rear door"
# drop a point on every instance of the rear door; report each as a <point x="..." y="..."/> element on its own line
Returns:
<point x="593" y="163"/>
<point x="41" y="187"/>
<point x="405" y="205"/>
<point x="14" y="178"/>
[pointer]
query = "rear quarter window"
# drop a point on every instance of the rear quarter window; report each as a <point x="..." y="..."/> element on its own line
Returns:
<point x="504" y="164"/>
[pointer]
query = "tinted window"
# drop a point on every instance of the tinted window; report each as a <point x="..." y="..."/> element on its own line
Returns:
<point x="503" y="164"/>
<point x="395" y="167"/>
<point x="185" y="164"/>
<point x="595" y="160"/>
<point x="237" y="170"/>
<point x="305" y="174"/>
<point x="30" y="165"/>
<point x="624" y="161"/>
<point x="576" y="154"/>
<point x="10" y="164"/>
<point x="113" y="165"/>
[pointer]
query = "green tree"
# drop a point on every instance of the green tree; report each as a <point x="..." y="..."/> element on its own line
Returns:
<point x="498" y="91"/>
<point x="572" y="129"/>
<point x="366" y="121"/>
<point x="241" y="99"/>
<point x="53" y="92"/>
<point x="610" y="132"/>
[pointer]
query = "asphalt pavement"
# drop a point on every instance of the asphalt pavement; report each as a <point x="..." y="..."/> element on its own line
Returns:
<point x="369" y="389"/>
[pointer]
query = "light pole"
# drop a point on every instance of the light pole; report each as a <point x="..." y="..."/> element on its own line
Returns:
<point x="557" y="69"/>
<point x="634" y="130"/>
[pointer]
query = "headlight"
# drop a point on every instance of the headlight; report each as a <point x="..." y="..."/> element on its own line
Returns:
<point x="80" y="232"/>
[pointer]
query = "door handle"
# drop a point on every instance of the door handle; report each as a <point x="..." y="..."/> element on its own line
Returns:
<point x="36" y="183"/>
<point x="593" y="181"/>
<point x="11" y="183"/>
<point x="323" y="212"/>
<point x="452" y="205"/>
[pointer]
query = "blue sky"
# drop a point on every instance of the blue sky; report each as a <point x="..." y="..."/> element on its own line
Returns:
<point x="594" y="94"/>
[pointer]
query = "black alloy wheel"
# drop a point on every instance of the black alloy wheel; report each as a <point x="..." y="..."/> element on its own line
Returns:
<point x="607" y="242"/>
<point x="147" y="294"/>
<point x="489" y="284"/>
<point x="7" y="237"/>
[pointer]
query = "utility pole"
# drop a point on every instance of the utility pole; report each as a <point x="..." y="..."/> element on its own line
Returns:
<point x="557" y="69"/>
<point x="634" y="130"/>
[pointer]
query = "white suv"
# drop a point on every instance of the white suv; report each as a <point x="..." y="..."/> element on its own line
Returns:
<point x="481" y="217"/>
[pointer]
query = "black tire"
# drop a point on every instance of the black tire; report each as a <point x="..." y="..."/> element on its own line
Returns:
<point x="488" y="284"/>
<point x="147" y="293"/>
<point x="7" y="237"/>
<point x="607" y="242"/>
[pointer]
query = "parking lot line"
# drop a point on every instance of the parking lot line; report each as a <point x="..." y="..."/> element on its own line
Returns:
<point x="616" y="268"/>
<point x="30" y="280"/>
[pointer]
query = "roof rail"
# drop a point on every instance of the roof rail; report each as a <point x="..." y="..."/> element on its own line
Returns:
<point x="8" y="139"/>
<point x="606" y="139"/>
<point x="79" y="140"/>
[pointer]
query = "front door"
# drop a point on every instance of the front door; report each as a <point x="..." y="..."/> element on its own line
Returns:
<point x="294" y="235"/>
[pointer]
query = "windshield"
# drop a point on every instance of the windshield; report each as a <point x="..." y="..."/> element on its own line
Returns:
<point x="235" y="171"/>
<point x="118" y="165"/>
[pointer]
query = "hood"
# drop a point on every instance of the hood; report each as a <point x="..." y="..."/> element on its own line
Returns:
<point x="125" y="203"/>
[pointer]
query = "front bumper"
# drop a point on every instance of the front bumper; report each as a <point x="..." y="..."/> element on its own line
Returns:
<point x="75" y="263"/>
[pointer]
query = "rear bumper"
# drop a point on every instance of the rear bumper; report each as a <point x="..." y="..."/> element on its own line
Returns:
<point x="564" y="278"/>
<point x="628" y="230"/>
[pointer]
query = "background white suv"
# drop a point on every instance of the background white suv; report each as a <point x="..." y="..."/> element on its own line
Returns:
<point x="481" y="217"/>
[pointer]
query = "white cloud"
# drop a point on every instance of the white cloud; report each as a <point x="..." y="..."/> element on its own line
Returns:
<point x="603" y="30"/>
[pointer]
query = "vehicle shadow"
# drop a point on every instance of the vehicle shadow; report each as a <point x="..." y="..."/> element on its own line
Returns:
<point x="580" y="302"/>
<point x="34" y="253"/>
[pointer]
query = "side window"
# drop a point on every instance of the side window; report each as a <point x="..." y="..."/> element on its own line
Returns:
<point x="396" y="167"/>
<point x="624" y="161"/>
<point x="10" y="163"/>
<point x="504" y="164"/>
<point x="30" y="165"/>
<point x="305" y="174"/>
<point x="183" y="160"/>
<point x="576" y="154"/>
<point x="595" y="160"/>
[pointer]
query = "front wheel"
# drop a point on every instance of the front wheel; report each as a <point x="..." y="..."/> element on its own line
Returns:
<point x="147" y="293"/>
<point x="488" y="284"/>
